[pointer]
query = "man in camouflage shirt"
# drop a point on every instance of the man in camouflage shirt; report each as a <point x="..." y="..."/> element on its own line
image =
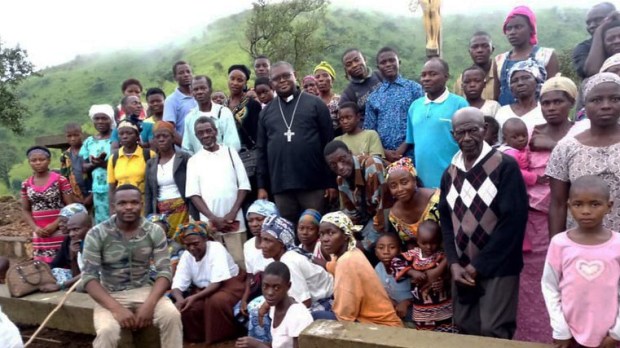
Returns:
<point x="117" y="255"/>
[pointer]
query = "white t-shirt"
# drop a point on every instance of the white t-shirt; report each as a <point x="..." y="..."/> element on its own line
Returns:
<point x="212" y="176"/>
<point x="165" y="181"/>
<point x="9" y="333"/>
<point x="296" y="319"/>
<point x="490" y="108"/>
<point x="308" y="280"/>
<point x="253" y="257"/>
<point x="216" y="266"/>
<point x="533" y="118"/>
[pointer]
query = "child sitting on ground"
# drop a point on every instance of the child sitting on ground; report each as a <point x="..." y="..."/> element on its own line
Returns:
<point x="387" y="247"/>
<point x="359" y="141"/>
<point x="427" y="266"/>
<point x="71" y="165"/>
<point x="582" y="272"/>
<point x="263" y="90"/>
<point x="288" y="318"/>
<point x="516" y="140"/>
<point x="308" y="235"/>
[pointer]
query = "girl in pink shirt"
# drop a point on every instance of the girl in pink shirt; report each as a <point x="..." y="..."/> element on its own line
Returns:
<point x="582" y="271"/>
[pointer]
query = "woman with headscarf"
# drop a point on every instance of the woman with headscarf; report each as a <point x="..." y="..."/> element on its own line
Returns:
<point x="526" y="79"/>
<point x="309" y="85"/>
<point x="612" y="65"/>
<point x="520" y="29"/>
<point x="127" y="165"/>
<point x="255" y="264"/>
<point x="165" y="179"/>
<point x="359" y="295"/>
<point x="206" y="286"/>
<point x="96" y="151"/>
<point x="325" y="76"/>
<point x="310" y="283"/>
<point x="413" y="204"/>
<point x="244" y="109"/>
<point x="43" y="195"/>
<point x="557" y="98"/>
<point x="595" y="151"/>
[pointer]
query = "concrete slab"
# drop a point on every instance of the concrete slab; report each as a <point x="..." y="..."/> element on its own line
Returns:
<point x="322" y="334"/>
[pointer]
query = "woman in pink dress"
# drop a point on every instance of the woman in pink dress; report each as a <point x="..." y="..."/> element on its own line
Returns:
<point x="43" y="195"/>
<point x="558" y="96"/>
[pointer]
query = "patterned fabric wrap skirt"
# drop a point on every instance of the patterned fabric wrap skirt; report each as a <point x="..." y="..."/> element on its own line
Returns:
<point x="176" y="212"/>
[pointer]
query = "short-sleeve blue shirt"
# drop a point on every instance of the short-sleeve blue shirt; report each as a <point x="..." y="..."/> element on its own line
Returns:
<point x="428" y="127"/>
<point x="176" y="107"/>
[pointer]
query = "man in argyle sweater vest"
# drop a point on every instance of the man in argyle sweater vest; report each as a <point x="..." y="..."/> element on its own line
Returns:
<point x="483" y="209"/>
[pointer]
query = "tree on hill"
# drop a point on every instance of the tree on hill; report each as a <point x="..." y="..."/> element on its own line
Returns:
<point x="14" y="68"/>
<point x="288" y="31"/>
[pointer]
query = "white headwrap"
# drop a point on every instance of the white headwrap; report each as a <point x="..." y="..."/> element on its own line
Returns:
<point x="598" y="79"/>
<point x="611" y="61"/>
<point x="102" y="109"/>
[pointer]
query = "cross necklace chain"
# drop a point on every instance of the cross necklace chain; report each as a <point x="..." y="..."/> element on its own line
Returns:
<point x="288" y="134"/>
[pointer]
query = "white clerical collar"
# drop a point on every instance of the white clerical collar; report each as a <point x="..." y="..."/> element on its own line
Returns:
<point x="289" y="98"/>
<point x="459" y="162"/>
<point x="442" y="98"/>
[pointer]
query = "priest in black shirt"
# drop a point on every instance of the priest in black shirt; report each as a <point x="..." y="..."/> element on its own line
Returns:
<point x="293" y="129"/>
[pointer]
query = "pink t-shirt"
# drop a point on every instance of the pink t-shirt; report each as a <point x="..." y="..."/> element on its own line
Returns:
<point x="580" y="287"/>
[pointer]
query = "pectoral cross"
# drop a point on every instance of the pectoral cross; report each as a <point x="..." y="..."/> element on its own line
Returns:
<point x="288" y="134"/>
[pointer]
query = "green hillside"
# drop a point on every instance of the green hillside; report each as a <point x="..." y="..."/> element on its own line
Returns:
<point x="65" y="92"/>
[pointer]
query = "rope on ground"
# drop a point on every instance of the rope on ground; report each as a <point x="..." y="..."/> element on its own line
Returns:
<point x="49" y="316"/>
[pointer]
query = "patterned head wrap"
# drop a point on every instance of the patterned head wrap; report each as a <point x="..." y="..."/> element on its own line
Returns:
<point x="198" y="228"/>
<point x="611" y="61"/>
<point x="344" y="223"/>
<point x="127" y="124"/>
<point x="102" y="109"/>
<point x="308" y="77"/>
<point x="159" y="218"/>
<point x="263" y="207"/>
<point x="531" y="17"/>
<point x="531" y="66"/>
<point x="598" y="79"/>
<point x="280" y="229"/>
<point x="72" y="209"/>
<point x="560" y="83"/>
<point x="39" y="150"/>
<point x="405" y="164"/>
<point x="327" y="67"/>
<point x="163" y="125"/>
<point x="311" y="216"/>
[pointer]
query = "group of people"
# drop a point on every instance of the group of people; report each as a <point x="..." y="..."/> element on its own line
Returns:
<point x="486" y="211"/>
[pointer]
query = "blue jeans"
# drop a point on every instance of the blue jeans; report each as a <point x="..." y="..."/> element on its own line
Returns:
<point x="324" y="315"/>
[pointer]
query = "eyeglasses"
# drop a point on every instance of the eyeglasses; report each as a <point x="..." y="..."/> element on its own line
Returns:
<point x="459" y="134"/>
<point x="285" y="76"/>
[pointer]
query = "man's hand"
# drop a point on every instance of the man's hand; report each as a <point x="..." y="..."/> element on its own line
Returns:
<point x="219" y="223"/>
<point x="460" y="274"/>
<point x="331" y="194"/>
<point x="144" y="316"/>
<point x="392" y="155"/>
<point x="262" y="194"/>
<point x="186" y="304"/>
<point x="247" y="342"/>
<point x="609" y="342"/>
<point x="471" y="270"/>
<point x="125" y="317"/>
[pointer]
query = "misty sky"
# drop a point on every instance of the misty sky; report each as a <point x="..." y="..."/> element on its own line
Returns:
<point x="56" y="31"/>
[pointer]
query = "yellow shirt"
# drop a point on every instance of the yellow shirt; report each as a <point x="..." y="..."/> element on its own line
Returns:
<point x="489" y="88"/>
<point x="367" y="142"/>
<point x="128" y="169"/>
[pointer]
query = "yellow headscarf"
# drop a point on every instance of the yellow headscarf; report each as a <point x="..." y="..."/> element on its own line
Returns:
<point x="560" y="83"/>
<point x="327" y="67"/>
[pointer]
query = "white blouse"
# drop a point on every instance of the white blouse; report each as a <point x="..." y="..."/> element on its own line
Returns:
<point x="216" y="266"/>
<point x="165" y="181"/>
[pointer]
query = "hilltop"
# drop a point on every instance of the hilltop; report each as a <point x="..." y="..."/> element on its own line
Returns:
<point x="65" y="92"/>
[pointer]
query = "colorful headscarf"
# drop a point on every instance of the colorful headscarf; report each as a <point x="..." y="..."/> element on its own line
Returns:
<point x="102" y="109"/>
<point x="531" y="66"/>
<point x="611" y="61"/>
<point x="531" y="17"/>
<point x="72" y="209"/>
<point x="39" y="150"/>
<point x="312" y="216"/>
<point x="198" y="228"/>
<point x="598" y="79"/>
<point x="327" y="67"/>
<point x="560" y="83"/>
<point x="159" y="218"/>
<point x="344" y="223"/>
<point x="127" y="124"/>
<point x="280" y="229"/>
<point x="308" y="77"/>
<point x="405" y="164"/>
<point x="163" y="125"/>
<point x="263" y="207"/>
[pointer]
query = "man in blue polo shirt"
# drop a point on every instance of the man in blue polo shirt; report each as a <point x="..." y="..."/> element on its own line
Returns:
<point x="429" y="123"/>
<point x="181" y="101"/>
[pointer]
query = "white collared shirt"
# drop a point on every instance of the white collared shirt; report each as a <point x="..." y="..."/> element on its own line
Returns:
<point x="442" y="98"/>
<point x="459" y="162"/>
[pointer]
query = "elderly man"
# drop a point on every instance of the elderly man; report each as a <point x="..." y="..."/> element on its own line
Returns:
<point x="483" y="209"/>
<point x="293" y="129"/>
<point x="361" y="183"/>
<point x="118" y="254"/>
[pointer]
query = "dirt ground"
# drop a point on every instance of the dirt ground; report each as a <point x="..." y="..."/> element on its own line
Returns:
<point x="11" y="224"/>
